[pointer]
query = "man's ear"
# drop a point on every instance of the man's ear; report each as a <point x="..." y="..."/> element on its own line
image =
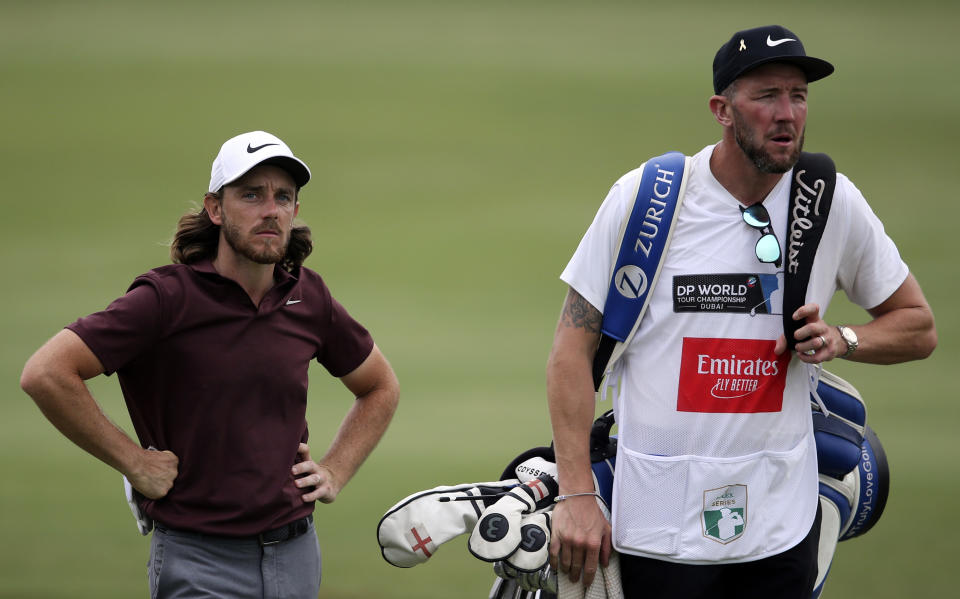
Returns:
<point x="214" y="207"/>
<point x="721" y="109"/>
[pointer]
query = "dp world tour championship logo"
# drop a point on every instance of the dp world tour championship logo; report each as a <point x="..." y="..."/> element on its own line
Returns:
<point x="724" y="516"/>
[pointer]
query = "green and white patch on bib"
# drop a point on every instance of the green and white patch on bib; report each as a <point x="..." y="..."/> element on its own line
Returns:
<point x="724" y="516"/>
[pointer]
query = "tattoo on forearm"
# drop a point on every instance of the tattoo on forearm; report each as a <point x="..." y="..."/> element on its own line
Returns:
<point x="578" y="312"/>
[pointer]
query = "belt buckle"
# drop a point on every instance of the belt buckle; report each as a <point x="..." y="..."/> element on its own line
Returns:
<point x="265" y="543"/>
<point x="292" y="530"/>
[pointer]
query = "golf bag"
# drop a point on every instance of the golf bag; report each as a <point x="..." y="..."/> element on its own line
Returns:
<point x="509" y="519"/>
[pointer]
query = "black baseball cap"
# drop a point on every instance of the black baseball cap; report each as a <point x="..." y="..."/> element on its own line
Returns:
<point x="751" y="48"/>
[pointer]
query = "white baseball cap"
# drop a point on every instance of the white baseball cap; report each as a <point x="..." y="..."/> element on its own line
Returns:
<point x="241" y="153"/>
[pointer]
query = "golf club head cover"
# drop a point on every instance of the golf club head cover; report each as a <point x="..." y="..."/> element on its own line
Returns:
<point x="411" y="531"/>
<point x="497" y="533"/>
<point x="533" y="553"/>
<point x="533" y="468"/>
<point x="540" y="460"/>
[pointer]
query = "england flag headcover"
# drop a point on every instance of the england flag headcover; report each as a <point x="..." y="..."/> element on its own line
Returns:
<point x="412" y="530"/>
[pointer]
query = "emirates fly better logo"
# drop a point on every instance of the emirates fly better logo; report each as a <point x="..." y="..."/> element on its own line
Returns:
<point x="731" y="376"/>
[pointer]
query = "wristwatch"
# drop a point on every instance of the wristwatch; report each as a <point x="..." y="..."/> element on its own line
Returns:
<point x="847" y="334"/>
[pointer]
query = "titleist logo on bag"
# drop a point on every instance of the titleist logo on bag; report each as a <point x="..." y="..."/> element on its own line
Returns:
<point x="731" y="376"/>
<point x="807" y="198"/>
<point x="811" y="194"/>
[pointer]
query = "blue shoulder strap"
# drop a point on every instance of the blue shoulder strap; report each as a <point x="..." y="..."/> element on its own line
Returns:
<point x="643" y="242"/>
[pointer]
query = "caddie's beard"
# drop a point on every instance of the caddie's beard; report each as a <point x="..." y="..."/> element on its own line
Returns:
<point x="269" y="253"/>
<point x="763" y="160"/>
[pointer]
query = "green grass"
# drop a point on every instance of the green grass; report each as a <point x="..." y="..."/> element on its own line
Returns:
<point x="459" y="150"/>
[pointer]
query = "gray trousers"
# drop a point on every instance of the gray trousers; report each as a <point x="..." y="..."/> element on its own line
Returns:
<point x="190" y="565"/>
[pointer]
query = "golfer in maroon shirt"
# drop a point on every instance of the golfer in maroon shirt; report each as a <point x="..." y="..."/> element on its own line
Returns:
<point x="212" y="355"/>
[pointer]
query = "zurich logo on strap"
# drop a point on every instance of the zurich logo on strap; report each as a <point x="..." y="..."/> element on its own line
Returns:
<point x="642" y="244"/>
<point x="631" y="281"/>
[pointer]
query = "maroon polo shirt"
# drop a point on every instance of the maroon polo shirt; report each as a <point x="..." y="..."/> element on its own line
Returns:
<point x="223" y="385"/>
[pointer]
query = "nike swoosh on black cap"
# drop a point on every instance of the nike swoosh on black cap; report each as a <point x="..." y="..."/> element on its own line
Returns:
<point x="751" y="48"/>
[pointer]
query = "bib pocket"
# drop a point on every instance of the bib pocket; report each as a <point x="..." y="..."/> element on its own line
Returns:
<point x="649" y="498"/>
<point x="695" y="508"/>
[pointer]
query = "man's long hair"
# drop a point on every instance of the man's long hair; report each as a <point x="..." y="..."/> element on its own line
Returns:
<point x="197" y="239"/>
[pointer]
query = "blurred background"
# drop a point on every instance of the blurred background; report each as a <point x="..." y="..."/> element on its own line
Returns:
<point x="459" y="150"/>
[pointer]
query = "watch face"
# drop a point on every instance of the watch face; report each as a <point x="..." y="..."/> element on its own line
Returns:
<point x="849" y="336"/>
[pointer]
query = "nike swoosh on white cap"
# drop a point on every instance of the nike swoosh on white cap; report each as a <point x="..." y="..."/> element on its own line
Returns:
<point x="773" y="43"/>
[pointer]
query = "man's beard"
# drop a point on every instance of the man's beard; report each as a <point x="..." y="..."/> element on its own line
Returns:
<point x="762" y="159"/>
<point x="269" y="254"/>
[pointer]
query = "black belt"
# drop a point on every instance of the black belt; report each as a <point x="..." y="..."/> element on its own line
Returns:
<point x="286" y="532"/>
<point x="271" y="537"/>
